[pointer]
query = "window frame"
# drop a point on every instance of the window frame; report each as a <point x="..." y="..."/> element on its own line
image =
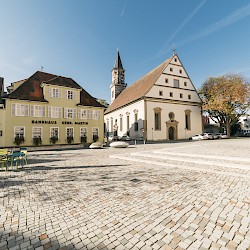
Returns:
<point x="41" y="132"/>
<point x="52" y="134"/>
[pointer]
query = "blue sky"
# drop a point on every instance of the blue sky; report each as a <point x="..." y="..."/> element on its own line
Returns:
<point x="79" y="38"/>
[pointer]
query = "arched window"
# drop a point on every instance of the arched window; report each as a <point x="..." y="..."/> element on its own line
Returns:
<point x="120" y="122"/>
<point x="188" y="119"/>
<point x="157" y="118"/>
<point x="135" y="120"/>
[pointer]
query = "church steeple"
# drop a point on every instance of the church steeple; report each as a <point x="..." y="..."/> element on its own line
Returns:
<point x="118" y="78"/>
<point x="118" y="62"/>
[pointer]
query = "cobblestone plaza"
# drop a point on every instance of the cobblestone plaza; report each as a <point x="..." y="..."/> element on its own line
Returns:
<point x="184" y="195"/>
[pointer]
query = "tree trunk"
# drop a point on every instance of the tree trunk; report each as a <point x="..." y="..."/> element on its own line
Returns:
<point x="228" y="129"/>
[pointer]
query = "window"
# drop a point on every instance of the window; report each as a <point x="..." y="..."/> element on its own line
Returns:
<point x="176" y="83"/>
<point x="55" y="112"/>
<point x="83" y="114"/>
<point x="171" y="94"/>
<point x="20" y="109"/>
<point x="166" y="80"/>
<point x="180" y="71"/>
<point x="113" y="94"/>
<point x="55" y="93"/>
<point x="69" y="132"/>
<point x="96" y="114"/>
<point x="160" y="93"/>
<point x="112" y="125"/>
<point x="37" y="111"/>
<point x="157" y="121"/>
<point x="136" y="122"/>
<point x="185" y="84"/>
<point x="175" y="59"/>
<point x="83" y="132"/>
<point x="107" y="125"/>
<point x="95" y="134"/>
<point x="70" y="94"/>
<point x="189" y="97"/>
<point x="69" y="113"/>
<point x="54" y="132"/>
<point x="120" y="122"/>
<point x="188" y="119"/>
<point x="157" y="118"/>
<point x="127" y="121"/>
<point x="171" y="69"/>
<point x="181" y="95"/>
<point x="19" y="132"/>
<point x="36" y="132"/>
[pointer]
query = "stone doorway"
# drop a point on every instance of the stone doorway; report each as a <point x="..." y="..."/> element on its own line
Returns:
<point x="171" y="134"/>
<point x="172" y="130"/>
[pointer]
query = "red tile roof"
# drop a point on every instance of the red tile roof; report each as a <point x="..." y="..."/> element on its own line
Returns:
<point x="31" y="89"/>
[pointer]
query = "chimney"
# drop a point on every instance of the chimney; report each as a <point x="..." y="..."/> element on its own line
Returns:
<point x="1" y="86"/>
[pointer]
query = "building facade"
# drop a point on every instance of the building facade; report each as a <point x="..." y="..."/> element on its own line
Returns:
<point x="47" y="109"/>
<point x="162" y="105"/>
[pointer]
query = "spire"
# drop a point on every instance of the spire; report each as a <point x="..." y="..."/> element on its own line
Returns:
<point x="118" y="62"/>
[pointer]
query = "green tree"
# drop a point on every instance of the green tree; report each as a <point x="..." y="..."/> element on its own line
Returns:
<point x="225" y="99"/>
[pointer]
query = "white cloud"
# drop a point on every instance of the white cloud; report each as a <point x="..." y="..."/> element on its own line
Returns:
<point x="183" y="24"/>
<point x="232" y="18"/>
<point x="124" y="7"/>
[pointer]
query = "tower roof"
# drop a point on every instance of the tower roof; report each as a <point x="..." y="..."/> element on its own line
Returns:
<point x="118" y="62"/>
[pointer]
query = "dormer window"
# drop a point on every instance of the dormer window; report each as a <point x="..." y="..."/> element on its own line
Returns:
<point x="55" y="93"/>
<point x="70" y="95"/>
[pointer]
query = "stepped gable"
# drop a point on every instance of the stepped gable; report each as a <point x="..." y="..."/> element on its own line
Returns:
<point x="138" y="89"/>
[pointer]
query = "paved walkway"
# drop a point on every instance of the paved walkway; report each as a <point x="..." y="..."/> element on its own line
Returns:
<point x="187" y="195"/>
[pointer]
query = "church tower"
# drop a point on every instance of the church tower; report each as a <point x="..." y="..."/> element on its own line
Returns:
<point x="118" y="78"/>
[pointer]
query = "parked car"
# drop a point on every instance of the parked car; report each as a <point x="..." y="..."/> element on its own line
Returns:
<point x="221" y="135"/>
<point x="207" y="136"/>
<point x="216" y="136"/>
<point x="197" y="137"/>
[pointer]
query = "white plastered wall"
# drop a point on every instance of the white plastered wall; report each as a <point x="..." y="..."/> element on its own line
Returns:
<point x="179" y="112"/>
<point x="130" y="109"/>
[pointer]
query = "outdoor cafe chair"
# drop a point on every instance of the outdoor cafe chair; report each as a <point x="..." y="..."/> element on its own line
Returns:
<point x="4" y="158"/>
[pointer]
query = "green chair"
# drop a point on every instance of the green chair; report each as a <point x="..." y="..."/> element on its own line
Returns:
<point x="23" y="157"/>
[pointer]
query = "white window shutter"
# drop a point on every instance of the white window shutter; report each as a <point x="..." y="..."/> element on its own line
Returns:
<point x="13" y="109"/>
<point x="50" y="92"/>
<point x="49" y="111"/>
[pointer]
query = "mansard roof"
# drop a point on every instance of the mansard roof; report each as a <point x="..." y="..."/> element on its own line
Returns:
<point x="31" y="89"/>
<point x="138" y="89"/>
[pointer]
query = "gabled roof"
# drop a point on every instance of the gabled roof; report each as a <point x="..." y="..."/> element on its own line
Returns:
<point x="138" y="89"/>
<point x="31" y="89"/>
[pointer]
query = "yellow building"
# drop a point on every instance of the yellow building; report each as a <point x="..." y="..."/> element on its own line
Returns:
<point x="47" y="109"/>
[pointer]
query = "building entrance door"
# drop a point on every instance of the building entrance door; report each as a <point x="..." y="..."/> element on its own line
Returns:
<point x="171" y="134"/>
